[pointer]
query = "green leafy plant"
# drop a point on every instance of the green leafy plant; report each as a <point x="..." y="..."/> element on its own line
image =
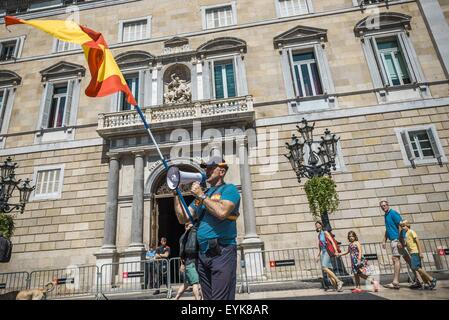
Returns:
<point x="6" y="225"/>
<point x="322" y="195"/>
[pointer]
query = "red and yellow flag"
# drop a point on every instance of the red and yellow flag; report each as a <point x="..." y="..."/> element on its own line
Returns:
<point x="106" y="75"/>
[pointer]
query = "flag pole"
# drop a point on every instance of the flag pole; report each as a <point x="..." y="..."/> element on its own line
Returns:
<point x="164" y="162"/>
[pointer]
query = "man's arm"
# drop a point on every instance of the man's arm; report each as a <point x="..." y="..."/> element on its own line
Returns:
<point x="183" y="218"/>
<point x="220" y="209"/>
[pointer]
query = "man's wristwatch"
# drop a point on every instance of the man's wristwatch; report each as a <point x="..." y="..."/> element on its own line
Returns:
<point x="203" y="197"/>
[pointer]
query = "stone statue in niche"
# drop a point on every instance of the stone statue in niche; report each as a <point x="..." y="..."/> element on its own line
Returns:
<point x="178" y="91"/>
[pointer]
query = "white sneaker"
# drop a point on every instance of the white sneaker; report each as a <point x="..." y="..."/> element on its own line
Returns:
<point x="340" y="286"/>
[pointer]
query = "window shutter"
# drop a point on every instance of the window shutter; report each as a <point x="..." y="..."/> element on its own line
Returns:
<point x="230" y="80"/>
<point x="433" y="143"/>
<point x="3" y="107"/>
<point x="147" y="88"/>
<point x="16" y="48"/>
<point x="407" y="58"/>
<point x="408" y="148"/>
<point x="68" y="102"/>
<point x="142" y="84"/>
<point x="380" y="65"/>
<point x="47" y="99"/>
<point x="323" y="69"/>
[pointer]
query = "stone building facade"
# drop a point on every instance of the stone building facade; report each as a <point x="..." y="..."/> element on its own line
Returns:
<point x="374" y="72"/>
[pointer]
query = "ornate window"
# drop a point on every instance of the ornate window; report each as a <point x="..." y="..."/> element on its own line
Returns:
<point x="59" y="105"/>
<point x="286" y="8"/>
<point x="62" y="46"/>
<point x="11" y="49"/>
<point x="136" y="68"/>
<point x="218" y="16"/>
<point x="223" y="73"/>
<point x="306" y="72"/>
<point x="135" y="29"/>
<point x="49" y="182"/>
<point x="420" y="145"/>
<point x="8" y="84"/>
<point x="392" y="60"/>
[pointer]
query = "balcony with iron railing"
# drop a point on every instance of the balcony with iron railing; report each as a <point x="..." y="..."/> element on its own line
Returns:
<point x="230" y="110"/>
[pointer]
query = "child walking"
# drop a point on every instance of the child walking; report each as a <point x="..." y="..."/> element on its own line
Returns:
<point x="358" y="263"/>
<point x="415" y="250"/>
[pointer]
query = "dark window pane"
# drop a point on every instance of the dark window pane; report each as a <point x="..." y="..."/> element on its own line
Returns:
<point x="316" y="79"/>
<point x="298" y="80"/>
<point x="51" y="118"/>
<point x="303" y="56"/>
<point x="428" y="153"/>
<point x="219" y="90"/>
<point x="61" y="112"/>
<point x="306" y="79"/>
<point x="230" y="80"/>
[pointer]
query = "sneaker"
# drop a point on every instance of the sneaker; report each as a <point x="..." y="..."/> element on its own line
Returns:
<point x="375" y="286"/>
<point x="415" y="285"/>
<point x="340" y="286"/>
<point x="433" y="284"/>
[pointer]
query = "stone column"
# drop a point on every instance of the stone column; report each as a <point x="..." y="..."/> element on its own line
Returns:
<point x="108" y="252"/>
<point x="438" y="28"/>
<point x="136" y="249"/>
<point x="110" y="217"/>
<point x="137" y="211"/>
<point x="251" y="244"/>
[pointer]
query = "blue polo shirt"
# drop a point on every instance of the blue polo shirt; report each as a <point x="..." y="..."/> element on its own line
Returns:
<point x="211" y="227"/>
<point x="392" y="220"/>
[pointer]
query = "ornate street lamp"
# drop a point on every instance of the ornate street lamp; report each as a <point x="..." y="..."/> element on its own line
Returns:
<point x="8" y="184"/>
<point x="318" y="163"/>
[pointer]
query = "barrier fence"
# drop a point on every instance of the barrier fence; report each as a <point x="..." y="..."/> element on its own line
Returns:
<point x="13" y="281"/>
<point x="253" y="268"/>
<point x="135" y="276"/>
<point x="302" y="264"/>
<point x="70" y="281"/>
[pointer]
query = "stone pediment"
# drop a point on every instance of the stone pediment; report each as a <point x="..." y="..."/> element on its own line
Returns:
<point x="176" y="42"/>
<point x="385" y="21"/>
<point x="9" y="78"/>
<point x="222" y="45"/>
<point x="300" y="34"/>
<point x="62" y="69"/>
<point x="134" y="58"/>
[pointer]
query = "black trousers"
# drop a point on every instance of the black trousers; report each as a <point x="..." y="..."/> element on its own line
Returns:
<point x="218" y="274"/>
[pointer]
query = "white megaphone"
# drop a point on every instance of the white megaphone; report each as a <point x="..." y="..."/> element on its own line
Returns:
<point x="176" y="177"/>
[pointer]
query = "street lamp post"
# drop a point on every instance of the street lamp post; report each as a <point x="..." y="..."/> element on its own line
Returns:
<point x="8" y="184"/>
<point x="318" y="163"/>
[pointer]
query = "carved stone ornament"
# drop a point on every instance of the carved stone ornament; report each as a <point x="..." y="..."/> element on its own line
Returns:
<point x="178" y="91"/>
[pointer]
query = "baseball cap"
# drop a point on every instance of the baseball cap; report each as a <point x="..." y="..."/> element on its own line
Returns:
<point x="214" y="161"/>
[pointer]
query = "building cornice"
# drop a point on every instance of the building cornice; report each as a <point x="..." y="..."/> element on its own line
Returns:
<point x="354" y="112"/>
<point x="133" y="44"/>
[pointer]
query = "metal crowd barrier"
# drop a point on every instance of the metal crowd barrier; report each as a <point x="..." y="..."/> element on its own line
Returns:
<point x="135" y="276"/>
<point x="257" y="267"/>
<point x="299" y="264"/>
<point x="70" y="281"/>
<point x="13" y="281"/>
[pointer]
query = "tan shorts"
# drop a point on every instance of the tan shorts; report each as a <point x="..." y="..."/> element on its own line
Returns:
<point x="396" y="251"/>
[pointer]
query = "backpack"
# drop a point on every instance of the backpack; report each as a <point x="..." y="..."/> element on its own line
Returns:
<point x="5" y="250"/>
<point x="188" y="243"/>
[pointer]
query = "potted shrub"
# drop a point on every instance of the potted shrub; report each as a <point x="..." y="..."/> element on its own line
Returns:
<point x="322" y="197"/>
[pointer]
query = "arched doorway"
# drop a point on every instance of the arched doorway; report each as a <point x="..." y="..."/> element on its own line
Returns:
<point x="164" y="222"/>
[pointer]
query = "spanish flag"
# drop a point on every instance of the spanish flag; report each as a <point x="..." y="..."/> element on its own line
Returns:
<point x="106" y="75"/>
